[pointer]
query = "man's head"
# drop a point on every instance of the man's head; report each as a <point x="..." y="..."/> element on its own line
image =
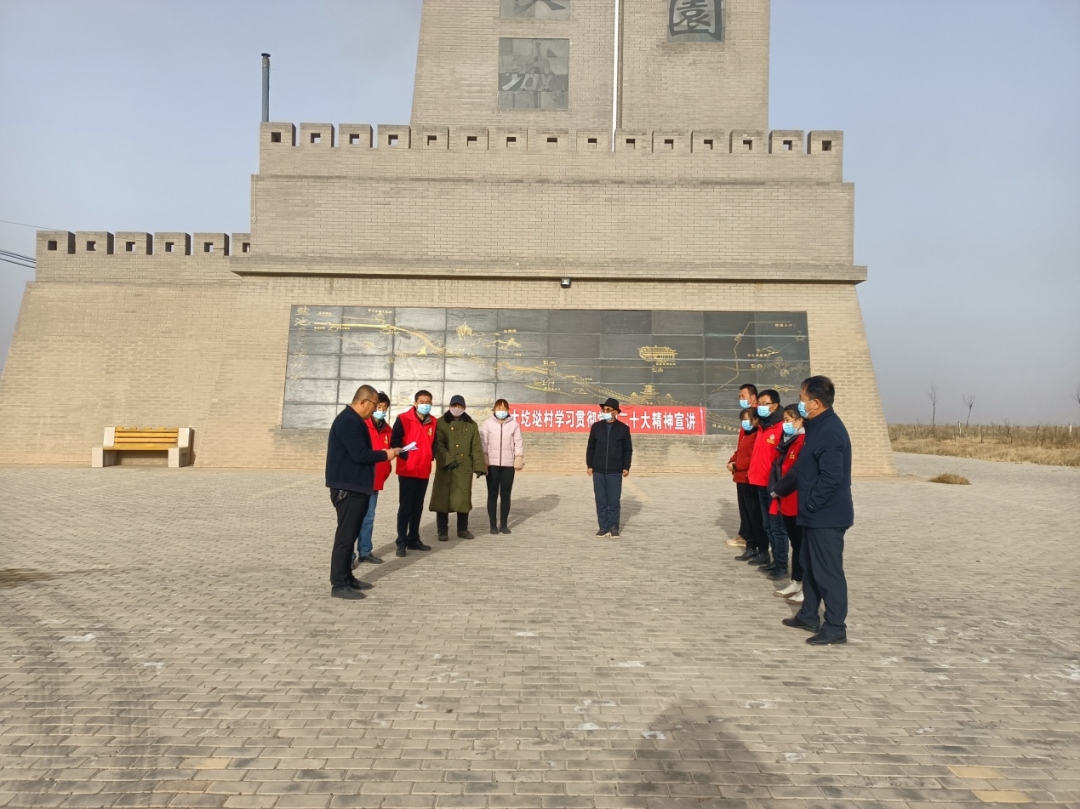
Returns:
<point x="457" y="405"/>
<point x="609" y="410"/>
<point x="747" y="395"/>
<point x="422" y="402"/>
<point x="767" y="403"/>
<point x="817" y="396"/>
<point x="365" y="400"/>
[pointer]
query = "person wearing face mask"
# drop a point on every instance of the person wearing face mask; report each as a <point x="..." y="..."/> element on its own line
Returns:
<point x="752" y="528"/>
<point x="770" y="433"/>
<point x="825" y="513"/>
<point x="350" y="477"/>
<point x="607" y="461"/>
<point x="746" y="391"/>
<point x="458" y="456"/>
<point x="380" y="439"/>
<point x="413" y="427"/>
<point x="504" y="449"/>
<point x="782" y="489"/>
<point x="748" y="395"/>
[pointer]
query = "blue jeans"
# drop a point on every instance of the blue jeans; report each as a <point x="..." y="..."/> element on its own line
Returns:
<point x="608" y="492"/>
<point x="774" y="528"/>
<point x="363" y="544"/>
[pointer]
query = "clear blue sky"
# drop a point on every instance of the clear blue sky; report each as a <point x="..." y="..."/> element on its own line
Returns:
<point x="962" y="136"/>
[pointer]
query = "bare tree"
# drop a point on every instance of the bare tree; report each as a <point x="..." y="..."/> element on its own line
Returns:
<point x="1076" y="393"/>
<point x="932" y="396"/>
<point x="969" y="402"/>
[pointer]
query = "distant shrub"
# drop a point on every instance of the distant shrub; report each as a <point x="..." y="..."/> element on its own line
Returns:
<point x="949" y="477"/>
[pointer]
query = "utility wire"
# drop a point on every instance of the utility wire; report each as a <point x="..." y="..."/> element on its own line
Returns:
<point x="24" y="225"/>
<point x="18" y="259"/>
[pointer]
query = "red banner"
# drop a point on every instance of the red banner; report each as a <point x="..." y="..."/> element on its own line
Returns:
<point x="643" y="419"/>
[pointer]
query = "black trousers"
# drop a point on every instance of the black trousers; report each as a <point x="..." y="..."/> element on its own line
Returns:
<point x="411" y="493"/>
<point x="757" y="538"/>
<point x="794" y="533"/>
<point x="442" y="521"/>
<point x="351" y="508"/>
<point x="500" y="480"/>
<point x="823" y="579"/>
<point x="744" y="521"/>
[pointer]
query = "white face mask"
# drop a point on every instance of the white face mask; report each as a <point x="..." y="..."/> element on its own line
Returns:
<point x="457" y="412"/>
<point x="607" y="416"/>
<point x="501" y="414"/>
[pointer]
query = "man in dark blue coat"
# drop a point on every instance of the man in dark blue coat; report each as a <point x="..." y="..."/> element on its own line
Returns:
<point x="607" y="462"/>
<point x="825" y="513"/>
<point x="350" y="476"/>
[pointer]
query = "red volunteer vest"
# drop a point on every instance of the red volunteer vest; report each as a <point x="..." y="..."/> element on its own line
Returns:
<point x="380" y="439"/>
<point x="418" y="462"/>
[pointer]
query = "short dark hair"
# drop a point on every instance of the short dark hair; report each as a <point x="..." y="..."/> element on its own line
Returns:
<point x="420" y="393"/>
<point x="383" y="398"/>
<point x="793" y="409"/>
<point x="820" y="388"/>
<point x="748" y="386"/>
<point x="772" y="394"/>
<point x="501" y="402"/>
<point x="748" y="411"/>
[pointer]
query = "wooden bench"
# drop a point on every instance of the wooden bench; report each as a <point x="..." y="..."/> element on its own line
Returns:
<point x="175" y="440"/>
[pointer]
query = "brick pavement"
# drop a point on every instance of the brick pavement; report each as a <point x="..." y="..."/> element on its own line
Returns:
<point x="167" y="639"/>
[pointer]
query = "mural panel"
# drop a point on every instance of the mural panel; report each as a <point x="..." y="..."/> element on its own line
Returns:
<point x="534" y="73"/>
<point x="677" y="372"/>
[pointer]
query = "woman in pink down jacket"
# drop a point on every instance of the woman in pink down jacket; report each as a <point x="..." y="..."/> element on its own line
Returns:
<point x="504" y="449"/>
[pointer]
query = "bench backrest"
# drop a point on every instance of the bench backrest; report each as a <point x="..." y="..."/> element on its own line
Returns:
<point x="165" y="436"/>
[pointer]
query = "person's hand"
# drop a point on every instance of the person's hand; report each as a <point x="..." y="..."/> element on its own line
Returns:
<point x="588" y="472"/>
<point x="773" y="495"/>
<point x="392" y="453"/>
<point x="450" y="467"/>
<point x="731" y="468"/>
<point x="626" y="473"/>
<point x="519" y="463"/>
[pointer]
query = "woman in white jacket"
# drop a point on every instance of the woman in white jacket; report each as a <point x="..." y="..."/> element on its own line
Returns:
<point x="504" y="449"/>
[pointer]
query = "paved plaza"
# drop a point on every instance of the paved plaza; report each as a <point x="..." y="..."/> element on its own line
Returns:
<point x="167" y="639"/>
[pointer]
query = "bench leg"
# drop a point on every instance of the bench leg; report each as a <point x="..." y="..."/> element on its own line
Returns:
<point x="179" y="456"/>
<point x="100" y="457"/>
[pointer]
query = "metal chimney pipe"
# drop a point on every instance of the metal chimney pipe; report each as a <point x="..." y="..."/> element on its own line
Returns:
<point x="266" y="88"/>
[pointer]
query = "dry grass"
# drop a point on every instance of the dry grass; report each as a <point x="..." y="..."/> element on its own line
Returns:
<point x="949" y="477"/>
<point x="1054" y="446"/>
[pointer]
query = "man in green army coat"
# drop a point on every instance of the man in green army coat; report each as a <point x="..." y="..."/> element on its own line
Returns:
<point x="458" y="456"/>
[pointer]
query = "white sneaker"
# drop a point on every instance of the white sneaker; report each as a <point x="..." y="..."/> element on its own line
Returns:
<point x="795" y="599"/>
<point x="792" y="588"/>
<point x="737" y="542"/>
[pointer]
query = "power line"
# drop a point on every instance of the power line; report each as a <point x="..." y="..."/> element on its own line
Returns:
<point x="18" y="259"/>
<point x="24" y="225"/>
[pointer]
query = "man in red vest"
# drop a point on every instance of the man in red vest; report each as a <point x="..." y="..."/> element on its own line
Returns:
<point x="415" y="427"/>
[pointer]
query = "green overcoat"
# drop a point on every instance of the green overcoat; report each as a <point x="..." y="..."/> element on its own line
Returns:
<point x="457" y="441"/>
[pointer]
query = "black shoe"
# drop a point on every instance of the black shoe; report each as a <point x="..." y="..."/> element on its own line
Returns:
<point x="780" y="572"/>
<point x="796" y="623"/>
<point x="601" y="534"/>
<point x="346" y="592"/>
<point x="444" y="537"/>
<point x="767" y="567"/>
<point x="821" y="639"/>
<point x="418" y="546"/>
<point x="371" y="559"/>
<point x="614" y="532"/>
<point x="758" y="559"/>
<point x="745" y="555"/>
<point x="494" y="528"/>
<point x="400" y="551"/>
<point x="356" y="584"/>
<point x="466" y="534"/>
<point x="504" y="530"/>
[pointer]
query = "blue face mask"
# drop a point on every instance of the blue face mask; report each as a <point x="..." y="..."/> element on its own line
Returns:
<point x="789" y="428"/>
<point x="747" y="425"/>
<point x="763" y="411"/>
<point x="744" y="403"/>
<point x="802" y="409"/>
<point x="379" y="415"/>
<point x="423" y="409"/>
<point x="607" y="416"/>
<point x="501" y="414"/>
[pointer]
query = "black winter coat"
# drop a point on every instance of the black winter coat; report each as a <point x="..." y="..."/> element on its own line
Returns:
<point x="609" y="451"/>
<point x="824" y="474"/>
<point x="350" y="460"/>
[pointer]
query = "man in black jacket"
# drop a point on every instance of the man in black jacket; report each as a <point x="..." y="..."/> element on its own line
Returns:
<point x="823" y="473"/>
<point x="350" y="476"/>
<point x="608" y="461"/>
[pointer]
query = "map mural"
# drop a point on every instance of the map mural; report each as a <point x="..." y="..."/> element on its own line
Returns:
<point x="677" y="371"/>
<point x="534" y="73"/>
